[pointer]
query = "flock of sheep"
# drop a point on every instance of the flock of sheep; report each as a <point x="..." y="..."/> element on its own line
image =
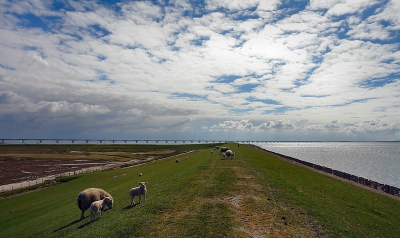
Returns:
<point x="97" y="199"/>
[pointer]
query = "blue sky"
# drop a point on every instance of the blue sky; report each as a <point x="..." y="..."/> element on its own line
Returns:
<point x="223" y="70"/>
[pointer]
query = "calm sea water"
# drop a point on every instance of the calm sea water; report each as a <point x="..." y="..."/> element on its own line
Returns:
<point x="378" y="161"/>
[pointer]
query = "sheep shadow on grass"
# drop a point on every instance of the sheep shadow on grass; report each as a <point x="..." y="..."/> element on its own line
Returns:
<point x="86" y="224"/>
<point x="70" y="224"/>
<point x="130" y="207"/>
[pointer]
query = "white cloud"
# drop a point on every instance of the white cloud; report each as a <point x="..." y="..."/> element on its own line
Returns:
<point x="389" y="13"/>
<point x="231" y="4"/>
<point x="374" y="127"/>
<point x="267" y="5"/>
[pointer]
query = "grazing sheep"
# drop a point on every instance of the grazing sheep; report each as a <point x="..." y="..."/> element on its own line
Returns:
<point x="223" y="150"/>
<point x="177" y="161"/>
<point x="212" y="151"/>
<point x="90" y="195"/>
<point x="140" y="174"/>
<point x="98" y="207"/>
<point x="228" y="154"/>
<point x="187" y="157"/>
<point x="138" y="191"/>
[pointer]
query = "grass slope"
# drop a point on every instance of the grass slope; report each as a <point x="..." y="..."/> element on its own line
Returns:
<point x="257" y="194"/>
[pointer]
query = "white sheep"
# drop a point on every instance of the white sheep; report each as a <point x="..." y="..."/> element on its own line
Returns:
<point x="90" y="195"/>
<point x="98" y="207"/>
<point x="212" y="151"/>
<point x="228" y="154"/>
<point x="177" y="161"/>
<point x="138" y="191"/>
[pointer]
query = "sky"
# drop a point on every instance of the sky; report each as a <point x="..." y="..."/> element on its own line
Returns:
<point x="270" y="70"/>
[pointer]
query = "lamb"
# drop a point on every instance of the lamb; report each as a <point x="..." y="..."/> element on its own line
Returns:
<point x="138" y="191"/>
<point x="229" y="154"/>
<point x="90" y="195"/>
<point x="98" y="207"/>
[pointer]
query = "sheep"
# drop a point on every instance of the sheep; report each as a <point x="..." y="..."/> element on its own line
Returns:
<point x="98" y="207"/>
<point x="212" y="151"/>
<point x="228" y="154"/>
<point x="223" y="150"/>
<point x="90" y="195"/>
<point x="138" y="191"/>
<point x="140" y="174"/>
<point x="177" y="161"/>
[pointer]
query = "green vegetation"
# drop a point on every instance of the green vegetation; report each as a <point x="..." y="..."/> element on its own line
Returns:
<point x="257" y="194"/>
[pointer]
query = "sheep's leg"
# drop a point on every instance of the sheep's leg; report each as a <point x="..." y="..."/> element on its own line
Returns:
<point x="82" y="216"/>
<point x="144" y="197"/>
<point x="140" y="198"/>
<point x="132" y="201"/>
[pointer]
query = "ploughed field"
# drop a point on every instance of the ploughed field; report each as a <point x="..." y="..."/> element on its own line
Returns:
<point x="29" y="162"/>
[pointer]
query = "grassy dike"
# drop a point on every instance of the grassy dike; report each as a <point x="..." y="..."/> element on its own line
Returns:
<point x="257" y="194"/>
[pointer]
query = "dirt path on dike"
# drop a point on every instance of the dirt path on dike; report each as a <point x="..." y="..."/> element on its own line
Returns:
<point x="260" y="213"/>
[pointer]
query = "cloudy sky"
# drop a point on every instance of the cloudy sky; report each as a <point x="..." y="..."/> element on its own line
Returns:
<point x="210" y="69"/>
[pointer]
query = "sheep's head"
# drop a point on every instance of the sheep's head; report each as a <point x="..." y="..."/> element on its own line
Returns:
<point x="142" y="184"/>
<point x="109" y="202"/>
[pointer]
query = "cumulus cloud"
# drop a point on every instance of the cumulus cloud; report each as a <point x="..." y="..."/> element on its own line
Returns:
<point x="374" y="127"/>
<point x="19" y="107"/>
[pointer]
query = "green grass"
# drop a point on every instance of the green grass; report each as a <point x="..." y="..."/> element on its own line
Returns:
<point x="204" y="196"/>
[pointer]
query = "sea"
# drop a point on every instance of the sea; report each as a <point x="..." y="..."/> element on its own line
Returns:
<point x="377" y="161"/>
